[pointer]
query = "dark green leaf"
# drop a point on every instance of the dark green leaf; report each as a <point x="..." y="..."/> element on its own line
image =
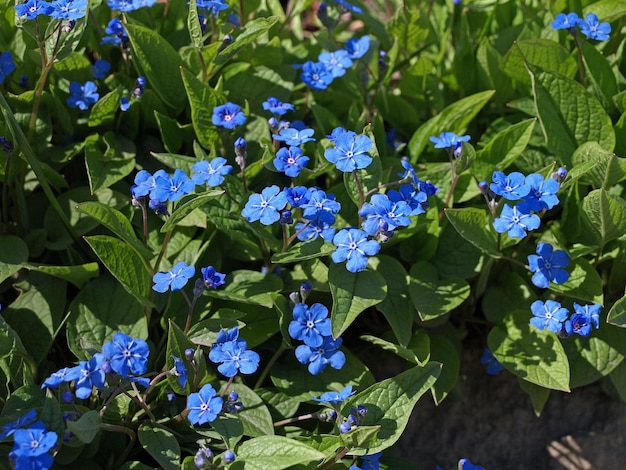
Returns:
<point x="162" y="445"/>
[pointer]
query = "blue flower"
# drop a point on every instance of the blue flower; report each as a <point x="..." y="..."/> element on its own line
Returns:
<point x="66" y="374"/>
<point x="314" y="228"/>
<point x="293" y="136"/>
<point x="211" y="278"/>
<point x="335" y="399"/>
<point x="127" y="355"/>
<point x="212" y="6"/>
<point x="124" y="104"/>
<point x="204" y="406"/>
<point x="82" y="96"/>
<point x="338" y="132"/>
<point x="33" y="8"/>
<point x="354" y="247"/>
<point x="449" y="140"/>
<point x="350" y="152"/>
<point x="298" y="196"/>
<point x="234" y="357"/>
<point x="592" y="28"/>
<point x="116" y="29"/>
<point x="381" y="210"/>
<point x="89" y="374"/>
<point x="516" y="221"/>
<point x="316" y="75"/>
<point x="100" y="69"/>
<point x="349" y="6"/>
<point x="494" y="367"/>
<point x="548" y="266"/>
<point x="549" y="315"/>
<point x="129" y="5"/>
<point x="145" y="183"/>
<point x="20" y="423"/>
<point x="578" y="324"/>
<point x="228" y="115"/>
<point x="320" y="206"/>
<point x="511" y="187"/>
<point x="357" y="47"/>
<point x="563" y="21"/>
<point x="6" y="65"/>
<point x="225" y="336"/>
<point x="175" y="279"/>
<point x="275" y="106"/>
<point x="290" y="161"/>
<point x="171" y="188"/>
<point x="265" y="207"/>
<point x="416" y="200"/>
<point x="318" y="358"/>
<point x="180" y="371"/>
<point x="34" y="441"/>
<point x="68" y="9"/>
<point x="542" y="194"/>
<point x="465" y="464"/>
<point x="211" y="173"/>
<point x="336" y="62"/>
<point x="592" y="312"/>
<point x="310" y="324"/>
<point x="370" y="462"/>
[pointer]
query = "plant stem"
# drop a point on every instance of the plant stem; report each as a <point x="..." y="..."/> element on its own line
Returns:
<point x="294" y="420"/>
<point x="269" y="365"/>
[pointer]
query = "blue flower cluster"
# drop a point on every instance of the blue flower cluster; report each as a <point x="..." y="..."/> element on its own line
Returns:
<point x="32" y="442"/>
<point x="590" y="26"/>
<point x="117" y="34"/>
<point x="368" y="462"/>
<point x="551" y="316"/>
<point x="534" y="193"/>
<point x="232" y="354"/>
<point x="177" y="278"/>
<point x="330" y="65"/>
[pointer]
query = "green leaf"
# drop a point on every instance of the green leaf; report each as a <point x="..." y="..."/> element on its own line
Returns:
<point x="108" y="159"/>
<point x="307" y="250"/>
<point x="252" y="31"/>
<point x="505" y="294"/>
<point x="604" y="215"/>
<point x="352" y="293"/>
<point x="177" y="344"/>
<point x="162" y="445"/>
<point x="102" y="308"/>
<point x="442" y="351"/>
<point x="36" y="316"/>
<point x="555" y="96"/>
<point x="389" y="404"/>
<point x="396" y="306"/>
<point x="202" y="99"/>
<point x="617" y="314"/>
<point x="13" y="255"/>
<point x="608" y="170"/>
<point x="249" y="287"/>
<point x="159" y="62"/>
<point x="538" y="52"/>
<point x="86" y="427"/>
<point x="404" y="352"/>
<point x="193" y="25"/>
<point x="538" y="395"/>
<point x="600" y="73"/>
<point x="471" y="223"/>
<point x="361" y="436"/>
<point x="255" y="416"/>
<point x="534" y="355"/>
<point x="77" y="275"/>
<point x="229" y="428"/>
<point x="186" y="205"/>
<point x="104" y="111"/>
<point x="125" y="265"/>
<point x="433" y="297"/>
<point x="584" y="283"/>
<point x="454" y="118"/>
<point x="466" y="160"/>
<point x="275" y="453"/>
<point x="607" y="10"/>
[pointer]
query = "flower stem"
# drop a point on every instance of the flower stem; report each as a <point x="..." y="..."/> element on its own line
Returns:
<point x="269" y="366"/>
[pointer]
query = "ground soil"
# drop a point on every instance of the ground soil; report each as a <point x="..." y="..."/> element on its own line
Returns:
<point x="492" y="423"/>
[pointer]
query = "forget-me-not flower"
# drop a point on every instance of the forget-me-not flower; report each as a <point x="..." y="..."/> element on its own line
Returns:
<point x="310" y="324"/>
<point x="228" y="115"/>
<point x="293" y="136"/>
<point x="175" y="279"/>
<point x="82" y="96"/>
<point x="548" y="265"/>
<point x="89" y="374"/>
<point x="516" y="220"/>
<point x="592" y="28"/>
<point x="565" y="21"/>
<point x="68" y="9"/>
<point x="180" y="371"/>
<point x="542" y="194"/>
<point x="318" y="358"/>
<point x="511" y="187"/>
<point x="354" y="247"/>
<point x="548" y="315"/>
<point x="316" y="75"/>
<point x="357" y="47"/>
<point x="350" y="152"/>
<point x="6" y="65"/>
<point x="336" y="62"/>
<point x="335" y="399"/>
<point x="234" y="357"/>
<point x="265" y="207"/>
<point x="494" y="367"/>
<point x="33" y="8"/>
<point x="171" y="187"/>
<point x="212" y="173"/>
<point x="127" y="355"/>
<point x="211" y="278"/>
<point x="290" y="161"/>
<point x="275" y="106"/>
<point x="20" y="423"/>
<point x="204" y="406"/>
<point x="447" y="140"/>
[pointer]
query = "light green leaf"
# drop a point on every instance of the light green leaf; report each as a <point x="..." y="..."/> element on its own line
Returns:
<point x="252" y="31"/>
<point x="584" y="283"/>
<point x="600" y="73"/>
<point x="13" y="255"/>
<point x="539" y="52"/>
<point x="538" y="395"/>
<point x="276" y="453"/>
<point x="617" y="314"/>
<point x="104" y="111"/>
<point x="159" y="62"/>
<point x="86" y="427"/>
<point x="193" y="25"/>
<point x="433" y="297"/>
<point x="352" y="293"/>
<point x="442" y="351"/>
<point x="608" y="170"/>
<point x="77" y="275"/>
<point x="305" y="250"/>
<point x="534" y="355"/>
<point x="202" y="99"/>
<point x="108" y="159"/>
<point x="389" y="404"/>
<point x="607" y="10"/>
<point x="407" y="353"/>
<point x="125" y="264"/>
<point x="186" y="205"/>
<point x="162" y="445"/>
<point x="605" y="215"/>
<point x="249" y="287"/>
<point x="255" y="416"/>
<point x="471" y="223"/>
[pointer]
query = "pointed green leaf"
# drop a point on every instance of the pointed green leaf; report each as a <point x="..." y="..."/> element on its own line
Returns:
<point x="249" y="287"/>
<point x="617" y="314"/>
<point x="108" y="159"/>
<point x="193" y="25"/>
<point x="538" y="395"/>
<point x="106" y="108"/>
<point x="186" y="205"/>
<point x="162" y="445"/>
<point x="252" y="31"/>
<point x="202" y="100"/>
<point x="584" y="283"/>
<point x="599" y="73"/>
<point x="389" y="404"/>
<point x="608" y="170"/>
<point x="534" y="355"/>
<point x="543" y="53"/>
<point x="255" y="416"/>
<point x="86" y="427"/>
<point x="604" y="215"/>
<point x="307" y="250"/>
<point x="352" y="293"/>
<point x="13" y="255"/>
<point x="77" y="275"/>
<point x="442" y="351"/>
<point x="471" y="223"/>
<point x="404" y="352"/>
<point x="276" y="453"/>
<point x="177" y="344"/>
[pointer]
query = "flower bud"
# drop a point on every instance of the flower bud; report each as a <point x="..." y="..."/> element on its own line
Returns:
<point x="229" y="456"/>
<point x="294" y="297"/>
<point x="189" y="354"/>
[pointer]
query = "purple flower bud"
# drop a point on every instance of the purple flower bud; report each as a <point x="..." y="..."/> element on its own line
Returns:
<point x="484" y="187"/>
<point x="229" y="456"/>
<point x="106" y="367"/>
<point x="171" y="396"/>
<point x="344" y="427"/>
<point x="305" y="289"/>
<point x="233" y="396"/>
<point x="67" y="397"/>
<point x="295" y="297"/>
<point x="285" y="217"/>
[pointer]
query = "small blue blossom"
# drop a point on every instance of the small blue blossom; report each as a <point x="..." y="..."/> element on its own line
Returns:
<point x="542" y="194"/>
<point x="211" y="278"/>
<point x="293" y="136"/>
<point x="66" y="374"/>
<point x="578" y="324"/>
<point x="335" y="399"/>
<point x="310" y="324"/>
<point x="118" y="35"/>
<point x="20" y="423"/>
<point x="6" y="65"/>
<point x="228" y="456"/>
<point x="349" y="6"/>
<point x="33" y="8"/>
<point x="124" y="104"/>
<point x="592" y="312"/>
<point x="100" y="69"/>
<point x="354" y="247"/>
<point x="416" y="200"/>
<point x="275" y="106"/>
<point x="318" y="358"/>
<point x="563" y="21"/>
<point x="494" y="367"/>
<point x="320" y="206"/>
<point x="212" y="6"/>
<point x="89" y="374"/>
<point x="180" y="371"/>
<point x="511" y="187"/>
<point x="592" y="28"/>
<point x="350" y="152"/>
<point x="204" y="406"/>
<point x="336" y="62"/>
<point x="129" y="5"/>
<point x="234" y="357"/>
<point x="212" y="173"/>
<point x="465" y="464"/>
<point x="314" y="228"/>
<point x="449" y="140"/>
<point x="228" y="115"/>
<point x="175" y="279"/>
<point x="203" y="458"/>
<point x="338" y="132"/>
<point x="516" y="221"/>
<point x="345" y="427"/>
<point x="548" y="265"/>
<point x="68" y="9"/>
<point x="316" y="75"/>
<point x="265" y="207"/>
<point x="381" y="210"/>
<point x="370" y="462"/>
<point x="34" y="441"/>
<point x="171" y="187"/>
<point x="127" y="355"/>
<point x="549" y="315"/>
<point x="357" y="47"/>
<point x="297" y="196"/>
<point x="225" y="336"/>
<point x="82" y="96"/>
<point x="290" y="161"/>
